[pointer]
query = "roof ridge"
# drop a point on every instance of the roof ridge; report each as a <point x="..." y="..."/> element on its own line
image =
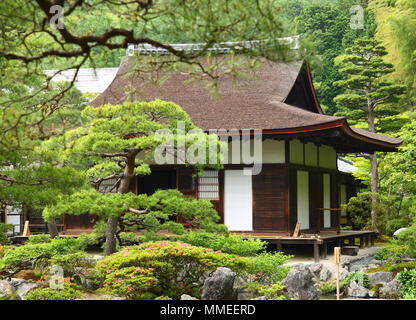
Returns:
<point x="220" y="47"/>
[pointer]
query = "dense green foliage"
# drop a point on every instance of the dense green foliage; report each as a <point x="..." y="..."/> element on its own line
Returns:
<point x="174" y="268"/>
<point x="407" y="279"/>
<point x="408" y="239"/>
<point x="4" y="228"/>
<point x="67" y="293"/>
<point x="227" y="243"/>
<point x="359" y="277"/>
<point x="39" y="255"/>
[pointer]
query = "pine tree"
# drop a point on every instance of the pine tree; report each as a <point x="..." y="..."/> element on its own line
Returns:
<point x="367" y="94"/>
<point x="118" y="142"/>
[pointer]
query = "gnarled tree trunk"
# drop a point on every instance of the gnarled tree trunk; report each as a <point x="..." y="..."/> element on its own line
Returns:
<point x="112" y="222"/>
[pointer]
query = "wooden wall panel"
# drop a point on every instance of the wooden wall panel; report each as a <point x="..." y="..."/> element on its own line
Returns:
<point x="270" y="199"/>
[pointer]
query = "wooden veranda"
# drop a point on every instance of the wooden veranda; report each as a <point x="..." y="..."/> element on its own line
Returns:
<point x="319" y="242"/>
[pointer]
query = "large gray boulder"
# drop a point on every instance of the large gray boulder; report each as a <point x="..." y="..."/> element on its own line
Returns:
<point x="391" y="290"/>
<point x="219" y="286"/>
<point x="325" y="274"/>
<point x="380" y="278"/>
<point x="316" y="268"/>
<point x="354" y="290"/>
<point x="6" y="290"/>
<point x="24" y="288"/>
<point x="300" y="284"/>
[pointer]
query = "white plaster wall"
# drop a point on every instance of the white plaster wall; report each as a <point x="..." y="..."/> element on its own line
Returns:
<point x="327" y="199"/>
<point x="303" y="198"/>
<point x="238" y="215"/>
<point x="14" y="220"/>
<point x="272" y="151"/>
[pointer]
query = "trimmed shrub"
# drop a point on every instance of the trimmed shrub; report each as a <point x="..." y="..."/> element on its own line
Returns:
<point x="39" y="238"/>
<point x="227" y="243"/>
<point x="32" y="256"/>
<point x="391" y="252"/>
<point x="67" y="293"/>
<point x="267" y="267"/>
<point x="178" y="268"/>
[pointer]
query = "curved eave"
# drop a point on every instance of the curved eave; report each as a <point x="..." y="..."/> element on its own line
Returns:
<point x="378" y="144"/>
<point x="337" y="132"/>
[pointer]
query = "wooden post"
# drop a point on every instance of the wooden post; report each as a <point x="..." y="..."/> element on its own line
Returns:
<point x="26" y="229"/>
<point x="337" y="255"/>
<point x="324" y="250"/>
<point x="316" y="252"/>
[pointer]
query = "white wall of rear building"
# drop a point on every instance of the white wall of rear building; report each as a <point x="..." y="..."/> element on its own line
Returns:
<point x="238" y="215"/>
<point x="303" y="199"/>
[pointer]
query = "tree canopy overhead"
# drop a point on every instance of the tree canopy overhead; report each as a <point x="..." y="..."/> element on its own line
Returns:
<point x="45" y="32"/>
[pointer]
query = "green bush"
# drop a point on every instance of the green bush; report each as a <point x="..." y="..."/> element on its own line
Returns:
<point x="227" y="243"/>
<point x="130" y="238"/>
<point x="391" y="253"/>
<point x="395" y="268"/>
<point x="328" y="288"/>
<point x="268" y="267"/>
<point x="39" y="238"/>
<point x="408" y="239"/>
<point x="133" y="282"/>
<point x="67" y="293"/>
<point x="4" y="249"/>
<point x="359" y="277"/>
<point x="178" y="268"/>
<point x="73" y="263"/>
<point x="391" y="215"/>
<point x="167" y="268"/>
<point x="3" y="232"/>
<point x="30" y="256"/>
<point x="407" y="279"/>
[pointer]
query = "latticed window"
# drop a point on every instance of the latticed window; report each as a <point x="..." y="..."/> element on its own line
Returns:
<point x="208" y="186"/>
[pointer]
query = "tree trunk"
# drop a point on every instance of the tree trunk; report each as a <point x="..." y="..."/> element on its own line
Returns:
<point x="110" y="236"/>
<point x="374" y="189"/>
<point x="53" y="229"/>
<point x="112" y="222"/>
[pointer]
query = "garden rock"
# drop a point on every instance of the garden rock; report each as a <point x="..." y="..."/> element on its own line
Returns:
<point x="6" y="289"/>
<point x="188" y="297"/>
<point x="219" y="286"/>
<point x="358" y="263"/>
<point x="300" y="285"/>
<point x="15" y="283"/>
<point x="343" y="273"/>
<point x="316" y="268"/>
<point x="380" y="277"/>
<point x="390" y="290"/>
<point x="325" y="274"/>
<point x="24" y="288"/>
<point x="354" y="290"/>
